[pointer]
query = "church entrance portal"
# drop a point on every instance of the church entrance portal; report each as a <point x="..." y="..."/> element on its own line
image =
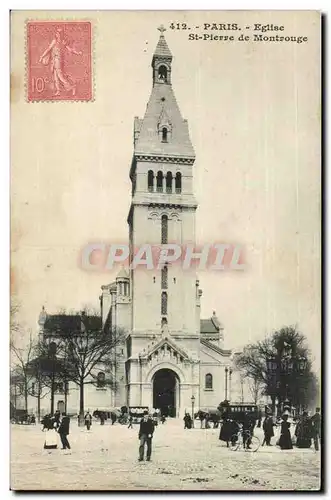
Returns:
<point x="165" y="392"/>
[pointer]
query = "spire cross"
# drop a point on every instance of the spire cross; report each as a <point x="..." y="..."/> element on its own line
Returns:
<point x="162" y="29"/>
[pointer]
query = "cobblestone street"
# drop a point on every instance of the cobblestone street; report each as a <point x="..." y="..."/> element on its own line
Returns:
<point x="106" y="459"/>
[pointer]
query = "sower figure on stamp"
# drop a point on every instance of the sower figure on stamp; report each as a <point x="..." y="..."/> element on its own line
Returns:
<point x="146" y="431"/>
<point x="55" y="56"/>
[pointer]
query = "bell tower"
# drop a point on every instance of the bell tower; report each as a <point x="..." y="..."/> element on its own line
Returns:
<point x="162" y="211"/>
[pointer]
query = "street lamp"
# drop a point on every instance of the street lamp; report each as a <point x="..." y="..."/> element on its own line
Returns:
<point x="226" y="383"/>
<point x="192" y="400"/>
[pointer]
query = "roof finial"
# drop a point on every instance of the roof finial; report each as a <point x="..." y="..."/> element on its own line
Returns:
<point x="162" y="29"/>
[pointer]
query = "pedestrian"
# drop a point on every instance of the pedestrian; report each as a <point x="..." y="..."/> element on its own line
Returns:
<point x="226" y="430"/>
<point x="304" y="431"/>
<point x="88" y="420"/>
<point x="64" y="431"/>
<point x="187" y="421"/>
<point x="146" y="431"/>
<point x="248" y="428"/>
<point x="50" y="442"/>
<point x="163" y="419"/>
<point x="259" y="419"/>
<point x="102" y="418"/>
<point x="56" y="419"/>
<point x="201" y="418"/>
<point x="113" y="418"/>
<point x="268" y="429"/>
<point x="285" y="440"/>
<point x="130" y="426"/>
<point x="316" y="428"/>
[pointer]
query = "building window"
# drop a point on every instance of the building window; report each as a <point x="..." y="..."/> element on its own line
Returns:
<point x="169" y="182"/>
<point x="178" y="182"/>
<point x="159" y="182"/>
<point x="164" y="134"/>
<point x="164" y="278"/>
<point x="164" y="321"/>
<point x="164" y="303"/>
<point x="150" y="181"/>
<point x="101" y="379"/>
<point x="209" y="381"/>
<point x="162" y="76"/>
<point x="164" y="229"/>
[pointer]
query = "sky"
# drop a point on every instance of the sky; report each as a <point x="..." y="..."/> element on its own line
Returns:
<point x="253" y="111"/>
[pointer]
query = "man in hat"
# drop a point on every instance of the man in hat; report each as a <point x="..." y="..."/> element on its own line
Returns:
<point x="268" y="427"/>
<point x="146" y="431"/>
<point x="316" y="427"/>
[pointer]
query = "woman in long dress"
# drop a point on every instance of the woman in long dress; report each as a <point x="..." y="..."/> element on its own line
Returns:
<point x="51" y="440"/>
<point x="285" y="440"/>
<point x="303" y="431"/>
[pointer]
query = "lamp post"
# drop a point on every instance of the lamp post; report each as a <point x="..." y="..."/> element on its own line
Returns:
<point x="230" y="380"/>
<point x="192" y="401"/>
<point x="226" y="382"/>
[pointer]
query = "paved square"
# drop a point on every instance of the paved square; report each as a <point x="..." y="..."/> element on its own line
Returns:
<point x="106" y="459"/>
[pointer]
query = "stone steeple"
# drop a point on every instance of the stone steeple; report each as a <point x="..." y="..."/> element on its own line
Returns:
<point x="163" y="132"/>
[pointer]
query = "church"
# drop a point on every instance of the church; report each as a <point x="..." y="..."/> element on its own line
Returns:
<point x="172" y="357"/>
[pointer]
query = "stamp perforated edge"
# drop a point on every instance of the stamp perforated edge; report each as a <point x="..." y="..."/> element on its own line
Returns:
<point x="93" y="63"/>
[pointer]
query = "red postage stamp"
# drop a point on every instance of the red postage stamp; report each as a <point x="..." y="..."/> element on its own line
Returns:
<point x="59" y="61"/>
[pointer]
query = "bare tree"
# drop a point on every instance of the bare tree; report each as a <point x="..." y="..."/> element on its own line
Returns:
<point x="292" y="377"/>
<point x="256" y="389"/>
<point x="21" y="358"/>
<point x="84" y="346"/>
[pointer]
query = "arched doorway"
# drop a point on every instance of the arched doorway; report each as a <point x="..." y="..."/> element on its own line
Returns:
<point x="166" y="392"/>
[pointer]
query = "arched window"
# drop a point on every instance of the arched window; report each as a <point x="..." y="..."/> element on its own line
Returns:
<point x="164" y="321"/>
<point x="164" y="303"/>
<point x="164" y="229"/>
<point x="169" y="182"/>
<point x="159" y="182"/>
<point x="208" y="381"/>
<point x="164" y="278"/>
<point x="162" y="76"/>
<point x="150" y="180"/>
<point x="164" y="134"/>
<point x="178" y="182"/>
<point x="101" y="379"/>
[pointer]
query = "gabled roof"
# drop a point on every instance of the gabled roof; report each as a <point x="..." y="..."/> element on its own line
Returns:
<point x="210" y="345"/>
<point x="166" y="342"/>
<point x="71" y="323"/>
<point x="211" y="326"/>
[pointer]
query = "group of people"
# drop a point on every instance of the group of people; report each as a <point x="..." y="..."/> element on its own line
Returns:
<point x="307" y="429"/>
<point x="58" y="424"/>
<point x="230" y="429"/>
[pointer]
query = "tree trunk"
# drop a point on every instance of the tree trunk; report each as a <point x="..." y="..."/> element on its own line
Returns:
<point x="65" y="396"/>
<point x="26" y="398"/>
<point x="38" y="407"/>
<point x="81" y="403"/>
<point x="52" y="395"/>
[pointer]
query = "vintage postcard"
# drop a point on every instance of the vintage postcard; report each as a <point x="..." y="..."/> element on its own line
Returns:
<point x="166" y="250"/>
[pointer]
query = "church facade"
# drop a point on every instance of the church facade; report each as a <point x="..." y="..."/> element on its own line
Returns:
<point x="171" y="354"/>
<point x="171" y="357"/>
